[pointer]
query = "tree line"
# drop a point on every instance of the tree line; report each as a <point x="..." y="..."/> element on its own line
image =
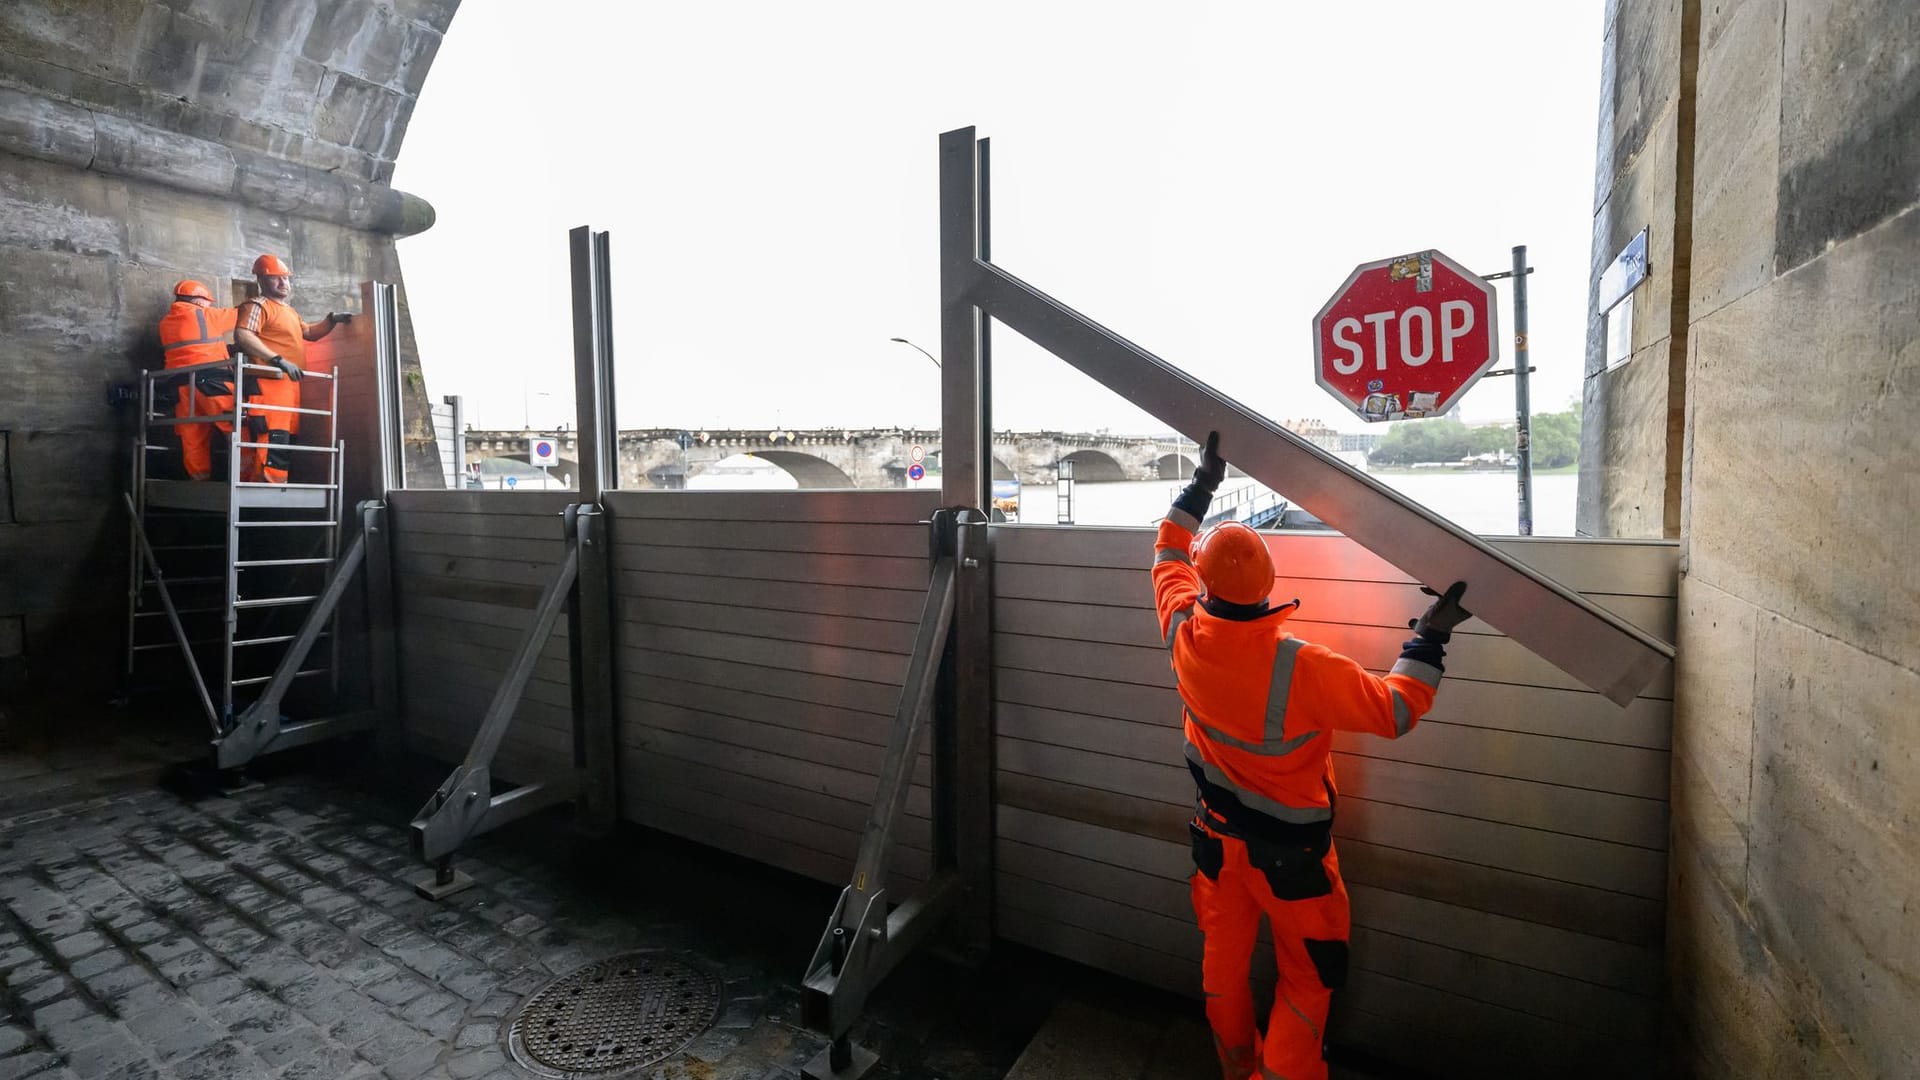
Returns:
<point x="1556" y="441"/>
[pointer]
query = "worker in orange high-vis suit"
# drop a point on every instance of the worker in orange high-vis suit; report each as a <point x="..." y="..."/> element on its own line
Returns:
<point x="272" y="333"/>
<point x="193" y="331"/>
<point x="1261" y="707"/>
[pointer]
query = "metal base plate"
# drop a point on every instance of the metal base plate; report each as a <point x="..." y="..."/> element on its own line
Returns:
<point x="614" y="1017"/>
<point x="821" y="1067"/>
<point x="431" y="887"/>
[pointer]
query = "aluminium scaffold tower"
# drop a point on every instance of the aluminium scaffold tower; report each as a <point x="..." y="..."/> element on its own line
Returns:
<point x="244" y="579"/>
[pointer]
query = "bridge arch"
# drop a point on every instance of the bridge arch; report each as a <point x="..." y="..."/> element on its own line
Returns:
<point x="1001" y="470"/>
<point x="808" y="471"/>
<point x="1173" y="467"/>
<point x="1095" y="467"/>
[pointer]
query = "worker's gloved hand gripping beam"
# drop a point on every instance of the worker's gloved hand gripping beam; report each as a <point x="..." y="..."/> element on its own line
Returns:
<point x="1592" y="645"/>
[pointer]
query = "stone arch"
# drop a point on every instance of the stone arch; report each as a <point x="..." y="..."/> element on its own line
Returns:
<point x="1095" y="467"/>
<point x="1001" y="470"/>
<point x="1173" y="467"/>
<point x="807" y="470"/>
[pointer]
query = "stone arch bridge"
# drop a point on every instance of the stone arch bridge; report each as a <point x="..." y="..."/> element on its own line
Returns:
<point x="863" y="457"/>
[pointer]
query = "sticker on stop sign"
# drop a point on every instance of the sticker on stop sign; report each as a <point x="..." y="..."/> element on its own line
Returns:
<point x="1405" y="337"/>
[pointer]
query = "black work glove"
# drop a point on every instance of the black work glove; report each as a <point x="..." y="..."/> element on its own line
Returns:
<point x="1198" y="495"/>
<point x="1445" y="613"/>
<point x="343" y="318"/>
<point x="286" y="366"/>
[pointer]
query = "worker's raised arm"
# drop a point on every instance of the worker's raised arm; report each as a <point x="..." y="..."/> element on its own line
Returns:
<point x="314" y="331"/>
<point x="1176" y="585"/>
<point x="1341" y="695"/>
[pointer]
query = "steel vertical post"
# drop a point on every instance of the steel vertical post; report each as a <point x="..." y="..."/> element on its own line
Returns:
<point x="966" y="798"/>
<point x="964" y="480"/>
<point x="383" y="657"/>
<point x="593" y="363"/>
<point x="590" y="641"/>
<point x="459" y="437"/>
<point x="1522" y="408"/>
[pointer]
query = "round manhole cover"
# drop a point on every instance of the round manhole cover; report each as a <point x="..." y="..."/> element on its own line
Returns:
<point x="613" y="1016"/>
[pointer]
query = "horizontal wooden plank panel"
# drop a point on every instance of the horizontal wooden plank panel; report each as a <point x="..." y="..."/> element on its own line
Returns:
<point x="1581" y="956"/>
<point x="892" y="605"/>
<point x="880" y="699"/>
<point x="812" y="537"/>
<point x="853" y="507"/>
<point x="1597" y="815"/>
<point x="642" y="693"/>
<point x="873" y="571"/>
<point x="496" y="526"/>
<point x="916" y="829"/>
<point x="754" y="764"/>
<point x="1495" y="659"/>
<point x="1629" y="567"/>
<point x="758" y="623"/>
<point x="460" y="567"/>
<point x="549" y="552"/>
<point x="1571" y="763"/>
<point x="1090" y="696"/>
<point x="482" y="503"/>
<point x="1096" y="950"/>
<point x="827" y="751"/>
<point x="865" y="665"/>
<point x="1596" y="1010"/>
<point x="1402" y="771"/>
<point x="489" y="663"/>
<point x="1577" y="860"/>
<point x="409" y="584"/>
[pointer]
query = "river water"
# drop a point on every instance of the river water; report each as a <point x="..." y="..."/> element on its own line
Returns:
<point x="1485" y="503"/>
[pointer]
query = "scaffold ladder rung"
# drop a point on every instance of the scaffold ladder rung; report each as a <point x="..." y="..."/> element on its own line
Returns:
<point x="259" y="679"/>
<point x="274" y="601"/>
<point x="249" y="564"/>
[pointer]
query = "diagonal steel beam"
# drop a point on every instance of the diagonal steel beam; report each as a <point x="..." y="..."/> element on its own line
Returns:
<point x="1588" y="643"/>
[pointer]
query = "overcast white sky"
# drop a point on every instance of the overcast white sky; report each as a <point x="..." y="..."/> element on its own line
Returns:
<point x="1199" y="177"/>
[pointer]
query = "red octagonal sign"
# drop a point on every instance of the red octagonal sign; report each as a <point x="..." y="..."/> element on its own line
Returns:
<point x="1405" y="337"/>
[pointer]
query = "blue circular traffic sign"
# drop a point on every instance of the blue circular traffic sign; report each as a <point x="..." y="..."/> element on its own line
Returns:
<point x="916" y="471"/>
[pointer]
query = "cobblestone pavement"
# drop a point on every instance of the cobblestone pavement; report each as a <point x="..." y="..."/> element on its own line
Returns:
<point x="146" y="935"/>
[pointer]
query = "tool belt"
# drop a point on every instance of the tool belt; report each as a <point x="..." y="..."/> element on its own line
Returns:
<point x="1291" y="856"/>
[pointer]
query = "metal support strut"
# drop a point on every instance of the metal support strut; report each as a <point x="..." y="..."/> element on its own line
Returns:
<point x="864" y="941"/>
<point x="261" y="729"/>
<point x="465" y="805"/>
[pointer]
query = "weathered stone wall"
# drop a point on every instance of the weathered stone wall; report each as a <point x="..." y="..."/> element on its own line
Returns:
<point x="1795" y="881"/>
<point x="1630" y="438"/>
<point x="142" y="142"/>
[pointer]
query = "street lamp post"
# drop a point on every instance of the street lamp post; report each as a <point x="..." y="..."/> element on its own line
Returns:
<point x="916" y="348"/>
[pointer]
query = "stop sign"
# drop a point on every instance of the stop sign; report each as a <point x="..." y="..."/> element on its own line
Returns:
<point x="1405" y="337"/>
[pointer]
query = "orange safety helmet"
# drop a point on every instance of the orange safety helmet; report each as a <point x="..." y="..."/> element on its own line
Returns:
<point x="194" y="289"/>
<point x="270" y="266"/>
<point x="1234" y="563"/>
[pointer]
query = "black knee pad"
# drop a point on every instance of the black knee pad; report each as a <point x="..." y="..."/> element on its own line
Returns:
<point x="1330" y="960"/>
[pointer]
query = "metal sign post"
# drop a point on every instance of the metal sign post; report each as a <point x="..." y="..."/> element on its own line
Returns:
<point x="1522" y="406"/>
<point x="1523" y="417"/>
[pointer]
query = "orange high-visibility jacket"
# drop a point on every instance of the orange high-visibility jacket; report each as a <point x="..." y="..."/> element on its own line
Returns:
<point x="280" y="329"/>
<point x="1261" y="704"/>
<point x="192" y="334"/>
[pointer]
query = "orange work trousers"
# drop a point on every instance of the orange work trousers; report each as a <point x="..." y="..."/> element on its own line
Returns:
<point x="1310" y="942"/>
<point x="206" y="394"/>
<point x="271" y="426"/>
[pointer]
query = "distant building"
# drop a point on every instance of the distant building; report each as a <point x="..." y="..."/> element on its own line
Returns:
<point x="1316" y="432"/>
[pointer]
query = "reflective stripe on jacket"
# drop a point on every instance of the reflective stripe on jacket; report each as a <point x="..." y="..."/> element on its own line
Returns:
<point x="192" y="334"/>
<point x="1261" y="704"/>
